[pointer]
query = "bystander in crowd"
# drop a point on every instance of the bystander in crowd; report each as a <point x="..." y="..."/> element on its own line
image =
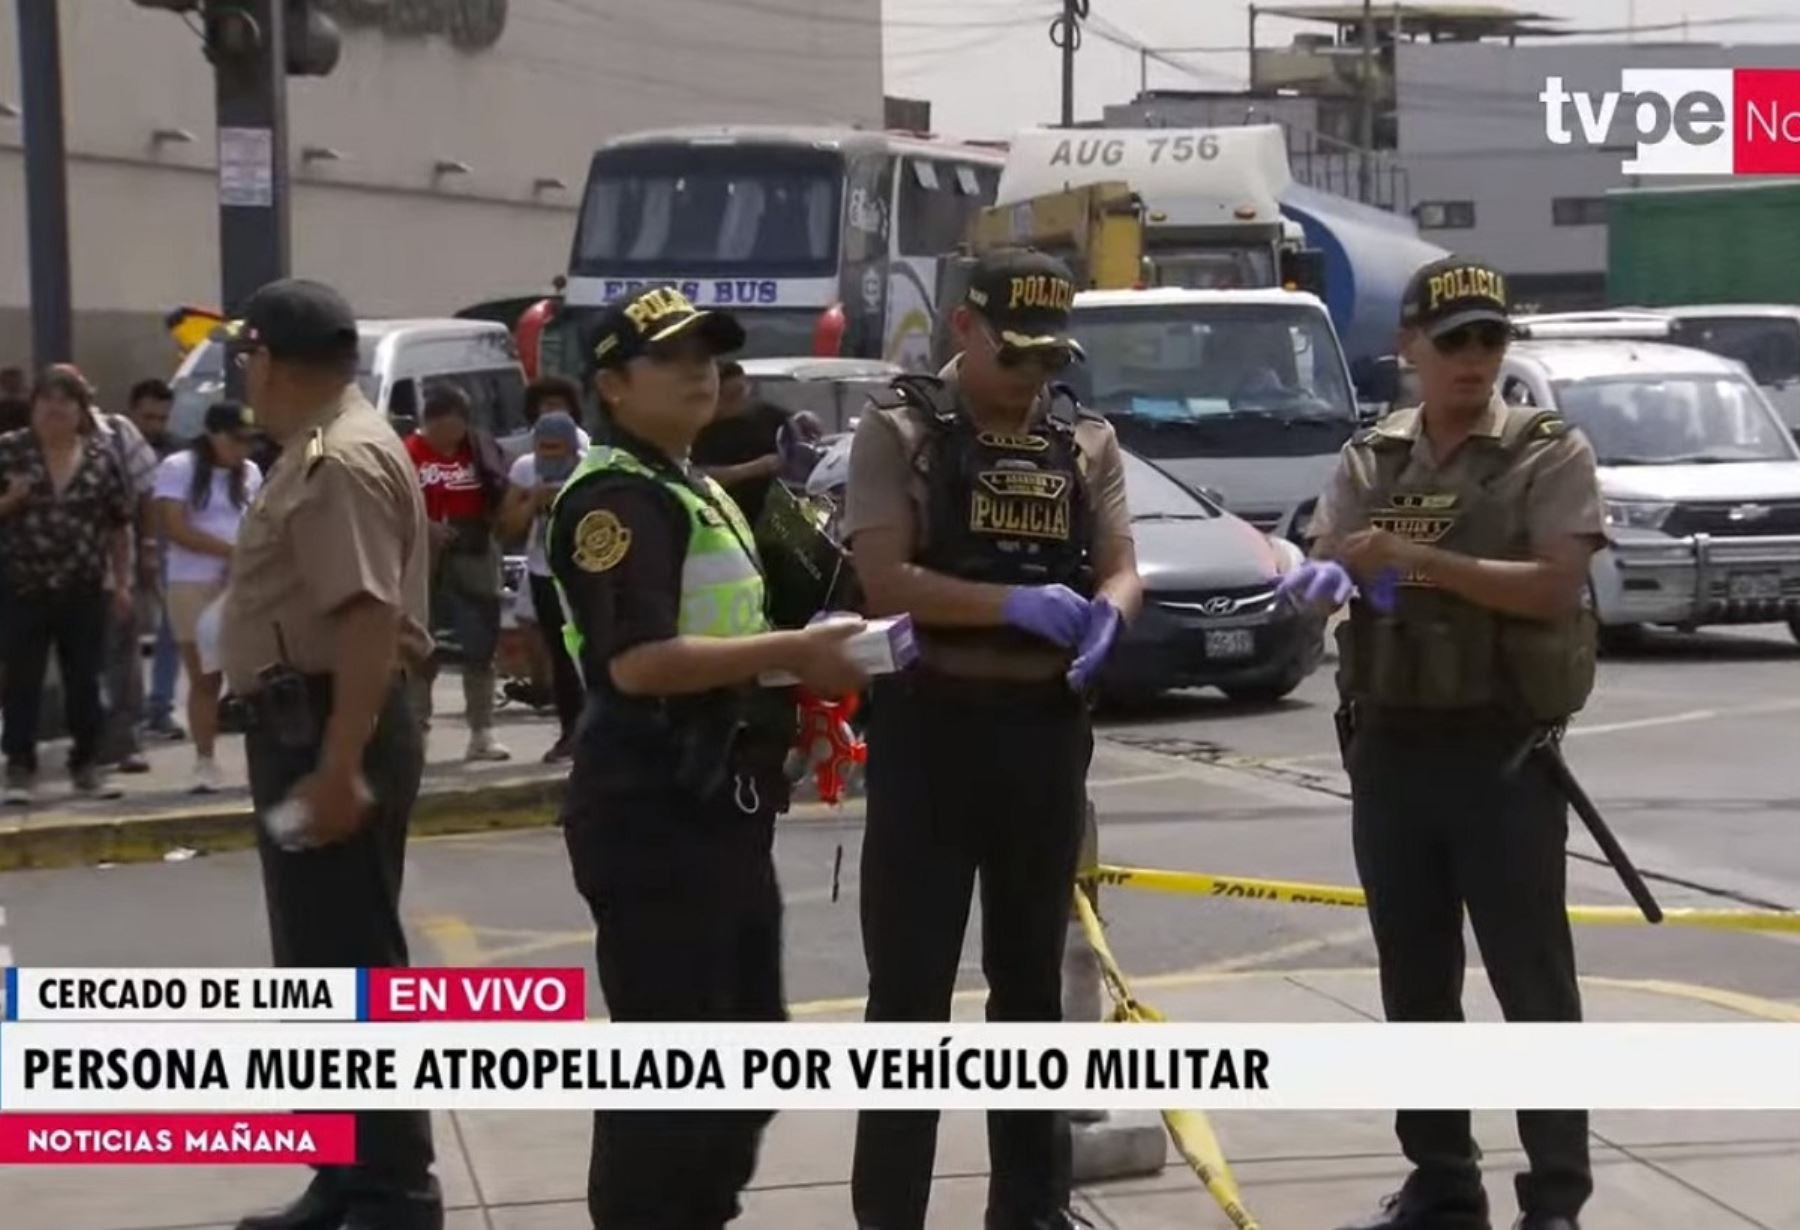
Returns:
<point x="67" y="514"/>
<point x="535" y="479"/>
<point x="463" y="479"/>
<point x="152" y="402"/>
<point x="201" y="494"/>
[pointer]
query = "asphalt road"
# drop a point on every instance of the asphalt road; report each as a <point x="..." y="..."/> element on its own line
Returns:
<point x="1688" y="747"/>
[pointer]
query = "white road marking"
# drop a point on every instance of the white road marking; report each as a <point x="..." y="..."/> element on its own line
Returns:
<point x="1141" y="779"/>
<point x="1691" y="715"/>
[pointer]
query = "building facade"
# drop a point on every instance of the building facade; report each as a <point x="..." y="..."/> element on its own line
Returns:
<point x="1486" y="180"/>
<point x="440" y="165"/>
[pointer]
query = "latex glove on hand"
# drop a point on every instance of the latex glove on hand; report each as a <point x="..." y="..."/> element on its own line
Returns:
<point x="1103" y="624"/>
<point x="1054" y="612"/>
<point x="1320" y="582"/>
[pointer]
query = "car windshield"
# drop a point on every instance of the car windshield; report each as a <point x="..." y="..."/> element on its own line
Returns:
<point x="1153" y="496"/>
<point x="1230" y="378"/>
<point x="1674" y="420"/>
<point x="1768" y="345"/>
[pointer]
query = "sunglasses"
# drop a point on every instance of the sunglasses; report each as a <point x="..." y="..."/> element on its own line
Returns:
<point x="1050" y="359"/>
<point x="1487" y="335"/>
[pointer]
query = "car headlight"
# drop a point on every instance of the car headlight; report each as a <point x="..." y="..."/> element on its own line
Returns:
<point x="1287" y="556"/>
<point x="1637" y="514"/>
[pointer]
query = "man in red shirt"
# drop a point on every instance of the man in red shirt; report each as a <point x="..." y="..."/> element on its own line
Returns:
<point x="461" y="476"/>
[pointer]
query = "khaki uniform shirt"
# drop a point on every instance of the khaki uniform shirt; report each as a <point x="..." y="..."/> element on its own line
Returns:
<point x="340" y="517"/>
<point x="1556" y="485"/>
<point x="886" y="491"/>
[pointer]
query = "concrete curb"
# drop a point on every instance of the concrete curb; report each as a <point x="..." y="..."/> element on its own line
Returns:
<point x="497" y="806"/>
<point x="514" y="803"/>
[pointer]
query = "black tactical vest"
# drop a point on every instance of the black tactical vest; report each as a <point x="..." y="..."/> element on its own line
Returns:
<point x="1435" y="650"/>
<point x="1006" y="510"/>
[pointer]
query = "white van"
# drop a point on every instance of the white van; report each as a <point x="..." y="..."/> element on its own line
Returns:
<point x="398" y="358"/>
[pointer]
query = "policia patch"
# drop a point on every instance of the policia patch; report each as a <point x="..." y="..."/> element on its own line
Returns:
<point x="601" y="541"/>
<point x="1026" y="504"/>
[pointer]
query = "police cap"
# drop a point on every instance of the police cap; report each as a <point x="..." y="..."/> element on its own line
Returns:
<point x="298" y="320"/>
<point x="1027" y="296"/>
<point x="1452" y="292"/>
<point x="634" y="325"/>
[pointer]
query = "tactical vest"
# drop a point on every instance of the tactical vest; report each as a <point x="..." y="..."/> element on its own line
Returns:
<point x="1000" y="509"/>
<point x="1434" y="650"/>
<point x="721" y="579"/>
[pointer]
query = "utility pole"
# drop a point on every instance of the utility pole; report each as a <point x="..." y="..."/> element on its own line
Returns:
<point x="1065" y="34"/>
<point x="46" y="181"/>
<point x="248" y="43"/>
<point x="254" y="47"/>
<point x="1366" y="124"/>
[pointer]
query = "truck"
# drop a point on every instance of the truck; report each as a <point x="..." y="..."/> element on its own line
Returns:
<point x="1715" y="243"/>
<point x="1214" y="209"/>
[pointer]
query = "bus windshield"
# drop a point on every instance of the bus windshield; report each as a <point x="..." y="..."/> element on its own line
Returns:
<point x="767" y="211"/>
<point x="1234" y="377"/>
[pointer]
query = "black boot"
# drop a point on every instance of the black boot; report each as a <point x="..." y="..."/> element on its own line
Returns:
<point x="321" y="1206"/>
<point x="1546" y="1221"/>
<point x="421" y="1208"/>
<point x="1406" y="1211"/>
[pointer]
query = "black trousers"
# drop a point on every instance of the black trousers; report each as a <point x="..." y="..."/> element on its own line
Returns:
<point x="75" y="624"/>
<point x="687" y="917"/>
<point x="339" y="905"/>
<point x="965" y="783"/>
<point x="546" y="604"/>
<point x="1440" y="827"/>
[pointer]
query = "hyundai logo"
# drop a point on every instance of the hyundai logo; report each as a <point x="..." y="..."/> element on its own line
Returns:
<point x="1207" y="606"/>
<point x="1748" y="512"/>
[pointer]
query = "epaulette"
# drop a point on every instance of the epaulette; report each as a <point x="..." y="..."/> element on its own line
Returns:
<point x="1066" y="408"/>
<point x="315" y="449"/>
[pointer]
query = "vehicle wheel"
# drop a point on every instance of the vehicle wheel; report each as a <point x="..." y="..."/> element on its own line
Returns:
<point x="1621" y="638"/>
<point x="1267" y="693"/>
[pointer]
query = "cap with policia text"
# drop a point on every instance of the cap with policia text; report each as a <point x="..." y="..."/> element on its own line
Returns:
<point x="298" y="320"/>
<point x="1452" y="292"/>
<point x="1027" y="296"/>
<point x="634" y="325"/>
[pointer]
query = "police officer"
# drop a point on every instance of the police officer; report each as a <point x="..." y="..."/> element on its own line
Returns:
<point x="678" y="767"/>
<point x="324" y="615"/>
<point x="1467" y="524"/>
<point x="991" y="508"/>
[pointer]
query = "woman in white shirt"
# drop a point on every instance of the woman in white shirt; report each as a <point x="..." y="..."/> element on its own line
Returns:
<point x="201" y="494"/>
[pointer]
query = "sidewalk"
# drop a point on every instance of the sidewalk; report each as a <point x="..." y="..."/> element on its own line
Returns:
<point x="1298" y="1171"/>
<point x="158" y="813"/>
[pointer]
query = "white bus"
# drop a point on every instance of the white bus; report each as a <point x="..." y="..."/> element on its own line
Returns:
<point x="824" y="241"/>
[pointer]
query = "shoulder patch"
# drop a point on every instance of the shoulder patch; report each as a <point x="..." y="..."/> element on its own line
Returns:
<point x="315" y="448"/>
<point x="601" y="541"/>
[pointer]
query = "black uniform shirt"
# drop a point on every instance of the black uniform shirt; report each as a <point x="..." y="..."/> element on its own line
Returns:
<point x="618" y="545"/>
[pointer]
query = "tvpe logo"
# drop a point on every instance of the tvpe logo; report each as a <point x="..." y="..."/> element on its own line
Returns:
<point x="1723" y="121"/>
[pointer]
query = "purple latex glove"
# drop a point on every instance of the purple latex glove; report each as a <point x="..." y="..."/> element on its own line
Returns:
<point x="1319" y="581"/>
<point x="1054" y="612"/>
<point x="1385" y="591"/>
<point x="1102" y="630"/>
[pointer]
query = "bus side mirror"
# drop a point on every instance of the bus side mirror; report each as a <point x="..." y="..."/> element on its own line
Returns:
<point x="1304" y="269"/>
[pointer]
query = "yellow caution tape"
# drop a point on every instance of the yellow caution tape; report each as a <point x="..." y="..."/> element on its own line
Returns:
<point x="1189" y="1129"/>
<point x="1243" y="888"/>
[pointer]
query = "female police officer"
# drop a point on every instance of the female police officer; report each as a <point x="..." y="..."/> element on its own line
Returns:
<point x="678" y="770"/>
<point x="993" y="511"/>
<point x="1486" y="515"/>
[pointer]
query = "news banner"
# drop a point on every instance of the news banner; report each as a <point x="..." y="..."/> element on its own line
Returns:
<point x="261" y="1066"/>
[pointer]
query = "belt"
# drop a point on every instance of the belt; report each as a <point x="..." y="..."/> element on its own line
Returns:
<point x="1475" y="719"/>
<point x="929" y="684"/>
